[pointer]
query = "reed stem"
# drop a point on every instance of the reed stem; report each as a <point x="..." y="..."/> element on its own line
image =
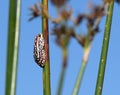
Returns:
<point x="63" y="71"/>
<point x="12" y="48"/>
<point x="82" y="69"/>
<point x="103" y="59"/>
<point x="46" y="69"/>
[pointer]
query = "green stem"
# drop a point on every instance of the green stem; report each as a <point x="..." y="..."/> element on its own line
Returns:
<point x="103" y="58"/>
<point x="13" y="42"/>
<point x="62" y="75"/>
<point x="63" y="71"/>
<point x="82" y="69"/>
<point x="46" y="69"/>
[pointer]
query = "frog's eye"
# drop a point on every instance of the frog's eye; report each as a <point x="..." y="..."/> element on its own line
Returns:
<point x="39" y="50"/>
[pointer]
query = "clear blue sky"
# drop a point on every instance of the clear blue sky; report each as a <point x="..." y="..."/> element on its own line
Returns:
<point x="29" y="79"/>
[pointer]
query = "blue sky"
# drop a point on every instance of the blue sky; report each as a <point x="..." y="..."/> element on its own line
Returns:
<point x="29" y="79"/>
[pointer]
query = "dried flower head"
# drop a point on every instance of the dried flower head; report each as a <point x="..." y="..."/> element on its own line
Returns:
<point x="108" y="1"/>
<point x="63" y="34"/>
<point x="118" y="1"/>
<point x="66" y="14"/>
<point x="35" y="12"/>
<point x="58" y="3"/>
<point x="79" y="19"/>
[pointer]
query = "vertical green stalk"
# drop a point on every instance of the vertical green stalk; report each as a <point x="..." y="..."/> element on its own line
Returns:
<point x="63" y="71"/>
<point x="12" y="49"/>
<point x="103" y="58"/>
<point x="46" y="69"/>
<point x="82" y="69"/>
